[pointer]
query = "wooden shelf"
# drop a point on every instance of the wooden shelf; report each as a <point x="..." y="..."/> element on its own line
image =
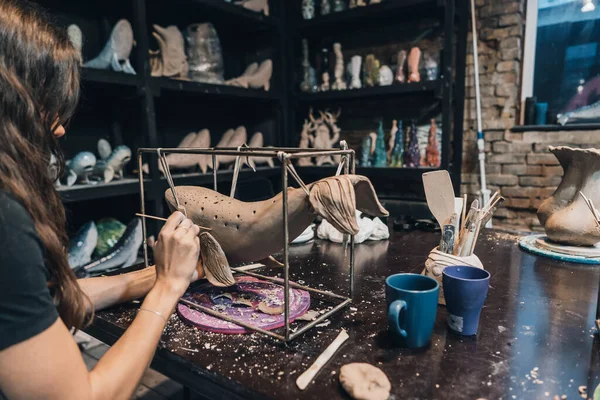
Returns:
<point x="208" y="89"/>
<point x="80" y="192"/>
<point x="109" y="77"/>
<point x="433" y="87"/>
<point x="240" y="13"/>
<point x="226" y="175"/>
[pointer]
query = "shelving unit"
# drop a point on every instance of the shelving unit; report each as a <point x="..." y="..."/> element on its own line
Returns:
<point x="360" y="28"/>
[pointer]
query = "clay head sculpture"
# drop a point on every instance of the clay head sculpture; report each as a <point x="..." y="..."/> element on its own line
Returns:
<point x="252" y="231"/>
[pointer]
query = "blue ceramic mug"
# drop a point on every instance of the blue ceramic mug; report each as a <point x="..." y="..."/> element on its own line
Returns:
<point x="412" y="301"/>
<point x="465" y="290"/>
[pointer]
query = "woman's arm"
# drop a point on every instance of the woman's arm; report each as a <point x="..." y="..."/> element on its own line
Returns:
<point x="107" y="291"/>
<point x="49" y="365"/>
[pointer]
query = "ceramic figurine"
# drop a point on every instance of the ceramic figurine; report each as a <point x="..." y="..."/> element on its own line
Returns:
<point x="339" y="5"/>
<point x="431" y="68"/>
<point x="110" y="231"/>
<point x="432" y="157"/>
<point x="257" y="140"/>
<point x="104" y="149"/>
<point x="116" y="52"/>
<point x="414" y="58"/>
<point x="75" y="36"/>
<point x="231" y="138"/>
<point x="308" y="9"/>
<point x="352" y="4"/>
<point x="259" y="78"/>
<point x="565" y="215"/>
<point x="68" y="178"/>
<point x="312" y="77"/>
<point x="412" y="157"/>
<point x="170" y="60"/>
<point x="374" y="2"/>
<point x="53" y="170"/>
<point x="360" y="3"/>
<point x="371" y="70"/>
<point x="255" y="5"/>
<point x="326" y="125"/>
<point x="82" y="245"/>
<point x="380" y="155"/>
<point x="251" y="232"/>
<point x="339" y="83"/>
<point x="305" y="84"/>
<point x="392" y="140"/>
<point x="386" y="76"/>
<point x="83" y="165"/>
<point x="397" y="155"/>
<point x="356" y="81"/>
<point x="324" y="70"/>
<point x="325" y="7"/>
<point x="307" y="140"/>
<point x="365" y="160"/>
<point x="118" y="159"/>
<point x="400" y="74"/>
<point x="205" y="55"/>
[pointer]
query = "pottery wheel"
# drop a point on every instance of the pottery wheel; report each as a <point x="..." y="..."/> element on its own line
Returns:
<point x="242" y="302"/>
<point x="542" y="246"/>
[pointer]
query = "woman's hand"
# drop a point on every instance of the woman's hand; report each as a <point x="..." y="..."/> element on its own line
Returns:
<point x="176" y="253"/>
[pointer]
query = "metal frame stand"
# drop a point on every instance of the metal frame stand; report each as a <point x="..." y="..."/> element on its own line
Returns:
<point x="285" y="155"/>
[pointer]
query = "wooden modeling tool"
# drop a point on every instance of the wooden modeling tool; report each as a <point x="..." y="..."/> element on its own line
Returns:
<point x="304" y="380"/>
<point x="590" y="205"/>
<point x="467" y="231"/>
<point x="439" y="194"/>
<point x="464" y="210"/>
<point x="163" y="219"/>
<point x="458" y="210"/>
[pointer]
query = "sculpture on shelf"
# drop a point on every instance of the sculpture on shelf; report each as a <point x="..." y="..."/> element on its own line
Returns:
<point x="255" y="76"/>
<point x="339" y="5"/>
<point x="185" y="161"/>
<point x="400" y="74"/>
<point x="380" y="155"/>
<point x="308" y="9"/>
<point x="249" y="232"/>
<point x="386" y="76"/>
<point x="414" y="58"/>
<point x="412" y="157"/>
<point x="116" y="52"/>
<point x="83" y="165"/>
<point x="75" y="36"/>
<point x="371" y="70"/>
<point x="565" y="215"/>
<point x="431" y="68"/>
<point x="307" y="140"/>
<point x="358" y="3"/>
<point x="374" y="2"/>
<point x="170" y="60"/>
<point x="324" y="70"/>
<point x="257" y="140"/>
<point x="231" y="138"/>
<point x="305" y="85"/>
<point x="432" y="154"/>
<point x="255" y="5"/>
<point x="356" y="81"/>
<point x="397" y="154"/>
<point x="352" y="4"/>
<point x="82" y="245"/>
<point x="111" y="167"/>
<point x="205" y="54"/>
<point x="325" y="7"/>
<point x="339" y="83"/>
<point x="326" y="125"/>
<point x="368" y="149"/>
<point x="392" y="140"/>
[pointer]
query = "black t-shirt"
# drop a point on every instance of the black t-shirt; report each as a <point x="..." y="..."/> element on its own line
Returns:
<point x="26" y="306"/>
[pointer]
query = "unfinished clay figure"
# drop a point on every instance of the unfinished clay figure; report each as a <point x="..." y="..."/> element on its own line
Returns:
<point x="371" y="70"/>
<point x="432" y="153"/>
<point x="400" y="74"/>
<point x="170" y="60"/>
<point x="364" y="381"/>
<point x="257" y="140"/>
<point x="414" y="58"/>
<point x="242" y="80"/>
<point x="323" y="138"/>
<point x="356" y="64"/>
<point x="565" y="215"/>
<point x="252" y="231"/>
<point x="339" y="83"/>
<point x="230" y="138"/>
<point x="255" y="5"/>
<point x="306" y="141"/>
<point x="116" y="52"/>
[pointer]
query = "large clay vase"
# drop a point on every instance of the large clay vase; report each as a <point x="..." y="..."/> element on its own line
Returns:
<point x="565" y="216"/>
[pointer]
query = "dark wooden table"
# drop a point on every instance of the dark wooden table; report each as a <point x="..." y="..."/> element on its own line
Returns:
<point x="539" y="314"/>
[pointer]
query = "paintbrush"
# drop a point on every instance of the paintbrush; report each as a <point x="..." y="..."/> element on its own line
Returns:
<point x="164" y="219"/>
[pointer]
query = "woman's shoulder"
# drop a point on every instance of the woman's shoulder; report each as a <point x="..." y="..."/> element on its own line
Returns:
<point x="12" y="212"/>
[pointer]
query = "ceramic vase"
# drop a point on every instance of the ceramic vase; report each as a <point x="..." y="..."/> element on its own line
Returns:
<point x="565" y="215"/>
<point x="380" y="155"/>
<point x="432" y="153"/>
<point x="325" y="7"/>
<point x="412" y="157"/>
<point x="365" y="160"/>
<point x="308" y="9"/>
<point x="397" y="153"/>
<point x="356" y="64"/>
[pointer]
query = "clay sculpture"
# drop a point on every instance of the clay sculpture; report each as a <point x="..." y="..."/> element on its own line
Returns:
<point x="82" y="245"/>
<point x="400" y="74"/>
<point x="252" y="231"/>
<point x="242" y="80"/>
<point x="255" y="5"/>
<point x="325" y="7"/>
<point x="364" y="381"/>
<point x="323" y="138"/>
<point x="75" y="36"/>
<point x="112" y="167"/>
<point x="83" y="165"/>
<point x="432" y="153"/>
<point x="230" y="138"/>
<point x="104" y="149"/>
<point x="339" y="83"/>
<point x="262" y="77"/>
<point x="116" y="52"/>
<point x="412" y="156"/>
<point x="307" y="140"/>
<point x="356" y="62"/>
<point x="565" y="215"/>
<point x="414" y="58"/>
<point x="257" y="140"/>
<point x="170" y="60"/>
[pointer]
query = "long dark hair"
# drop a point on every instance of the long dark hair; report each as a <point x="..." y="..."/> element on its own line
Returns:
<point x="39" y="90"/>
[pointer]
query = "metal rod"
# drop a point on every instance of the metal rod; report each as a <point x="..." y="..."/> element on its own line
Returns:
<point x="321" y="318"/>
<point x="164" y="219"/>
<point x="286" y="249"/>
<point x="253" y="152"/>
<point x="352" y="169"/>
<point x="292" y="284"/>
<point x="214" y="162"/>
<point x="272" y="151"/>
<point x="143" y="208"/>
<point x="229" y="319"/>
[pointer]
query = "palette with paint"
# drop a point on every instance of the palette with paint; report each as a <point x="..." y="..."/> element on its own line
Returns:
<point x="251" y="300"/>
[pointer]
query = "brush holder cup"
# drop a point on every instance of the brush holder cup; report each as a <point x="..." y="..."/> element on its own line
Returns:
<point x="437" y="261"/>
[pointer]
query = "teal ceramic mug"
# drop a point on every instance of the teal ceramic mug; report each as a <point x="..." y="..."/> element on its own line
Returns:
<point x="412" y="302"/>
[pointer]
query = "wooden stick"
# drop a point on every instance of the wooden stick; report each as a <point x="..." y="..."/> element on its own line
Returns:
<point x="164" y="219"/>
<point x="303" y="380"/>
<point x="464" y="212"/>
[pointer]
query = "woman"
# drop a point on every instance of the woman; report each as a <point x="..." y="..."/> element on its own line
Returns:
<point x="40" y="299"/>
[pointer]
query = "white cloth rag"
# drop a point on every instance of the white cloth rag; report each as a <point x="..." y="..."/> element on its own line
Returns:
<point x="369" y="229"/>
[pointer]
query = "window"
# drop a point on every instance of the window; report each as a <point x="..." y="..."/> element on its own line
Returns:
<point x="562" y="55"/>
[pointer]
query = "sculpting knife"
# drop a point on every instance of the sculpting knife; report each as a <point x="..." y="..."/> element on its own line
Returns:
<point x="164" y="219"/>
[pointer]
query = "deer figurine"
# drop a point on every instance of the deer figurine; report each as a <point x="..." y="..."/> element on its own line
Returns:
<point x="323" y="139"/>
